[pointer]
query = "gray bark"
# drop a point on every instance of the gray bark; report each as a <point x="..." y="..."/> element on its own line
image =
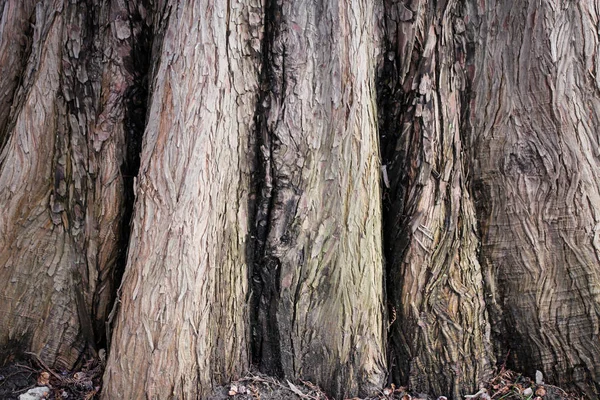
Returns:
<point x="319" y="266"/>
<point x="258" y="206"/>
<point x="440" y="338"/>
<point x="182" y="326"/>
<point x="534" y="133"/>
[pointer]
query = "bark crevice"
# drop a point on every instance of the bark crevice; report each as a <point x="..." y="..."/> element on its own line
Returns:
<point x="13" y="66"/>
<point x="266" y="351"/>
<point x="135" y="101"/>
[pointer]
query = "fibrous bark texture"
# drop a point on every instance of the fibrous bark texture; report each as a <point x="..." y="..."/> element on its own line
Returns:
<point x="61" y="206"/>
<point x="319" y="273"/>
<point x="440" y="340"/>
<point x="535" y="121"/>
<point x="258" y="216"/>
<point x="182" y="324"/>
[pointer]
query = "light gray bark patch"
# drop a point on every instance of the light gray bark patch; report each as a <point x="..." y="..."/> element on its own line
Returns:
<point x="183" y="317"/>
<point x="319" y="265"/>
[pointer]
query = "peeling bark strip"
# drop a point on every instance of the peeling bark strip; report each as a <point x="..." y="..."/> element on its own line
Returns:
<point x="441" y="338"/>
<point x="182" y="324"/>
<point x="319" y="225"/>
<point x="61" y="205"/>
<point x="535" y="129"/>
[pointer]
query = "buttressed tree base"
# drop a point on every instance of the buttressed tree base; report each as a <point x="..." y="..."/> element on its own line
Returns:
<point x="351" y="193"/>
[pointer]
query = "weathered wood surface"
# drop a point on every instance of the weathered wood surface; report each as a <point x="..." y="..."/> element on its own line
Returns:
<point x="440" y="340"/>
<point x="60" y="184"/>
<point x="182" y="325"/>
<point x="535" y="119"/>
<point x="319" y="266"/>
<point x="259" y="217"/>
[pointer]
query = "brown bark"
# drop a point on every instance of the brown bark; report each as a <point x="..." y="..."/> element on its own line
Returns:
<point x="182" y="325"/>
<point x="535" y="117"/>
<point x="441" y="336"/>
<point x="61" y="205"/>
<point x="319" y="273"/>
<point x="15" y="48"/>
<point x="261" y="164"/>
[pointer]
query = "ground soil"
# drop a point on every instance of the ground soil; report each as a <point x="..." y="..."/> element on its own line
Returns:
<point x="20" y="376"/>
<point x="16" y="378"/>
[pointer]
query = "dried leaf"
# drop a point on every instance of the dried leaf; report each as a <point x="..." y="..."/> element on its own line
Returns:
<point x="43" y="379"/>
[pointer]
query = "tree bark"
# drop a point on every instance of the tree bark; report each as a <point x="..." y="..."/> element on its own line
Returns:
<point x="60" y="184"/>
<point x="260" y="233"/>
<point x="440" y="340"/>
<point x="534" y="121"/>
<point x="320" y="306"/>
<point x="15" y="48"/>
<point x="182" y="326"/>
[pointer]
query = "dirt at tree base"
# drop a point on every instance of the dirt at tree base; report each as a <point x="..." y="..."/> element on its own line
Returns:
<point x="18" y="377"/>
<point x="15" y="379"/>
<point x="506" y="385"/>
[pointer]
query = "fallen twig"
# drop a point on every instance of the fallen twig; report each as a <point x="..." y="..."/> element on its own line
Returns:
<point x="44" y="366"/>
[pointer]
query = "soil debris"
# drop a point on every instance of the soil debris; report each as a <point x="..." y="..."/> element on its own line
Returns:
<point x="19" y="377"/>
<point x="510" y="385"/>
<point x="24" y="379"/>
<point x="506" y="385"/>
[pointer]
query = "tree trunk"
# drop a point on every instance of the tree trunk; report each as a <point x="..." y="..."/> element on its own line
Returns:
<point x="534" y="132"/>
<point x="440" y="340"/>
<point x="319" y="304"/>
<point x="182" y="324"/>
<point x="60" y="186"/>
<point x="260" y="230"/>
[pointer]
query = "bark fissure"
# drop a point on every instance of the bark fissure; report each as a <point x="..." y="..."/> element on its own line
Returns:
<point x="265" y="329"/>
<point x="16" y="46"/>
<point x="138" y="63"/>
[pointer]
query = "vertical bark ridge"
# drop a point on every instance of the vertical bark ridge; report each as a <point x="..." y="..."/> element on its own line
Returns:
<point x="62" y="204"/>
<point x="535" y="172"/>
<point x="319" y="270"/>
<point x="183" y="313"/>
<point x="441" y="336"/>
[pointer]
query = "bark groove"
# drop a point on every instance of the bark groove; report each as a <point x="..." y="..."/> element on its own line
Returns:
<point x="15" y="49"/>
